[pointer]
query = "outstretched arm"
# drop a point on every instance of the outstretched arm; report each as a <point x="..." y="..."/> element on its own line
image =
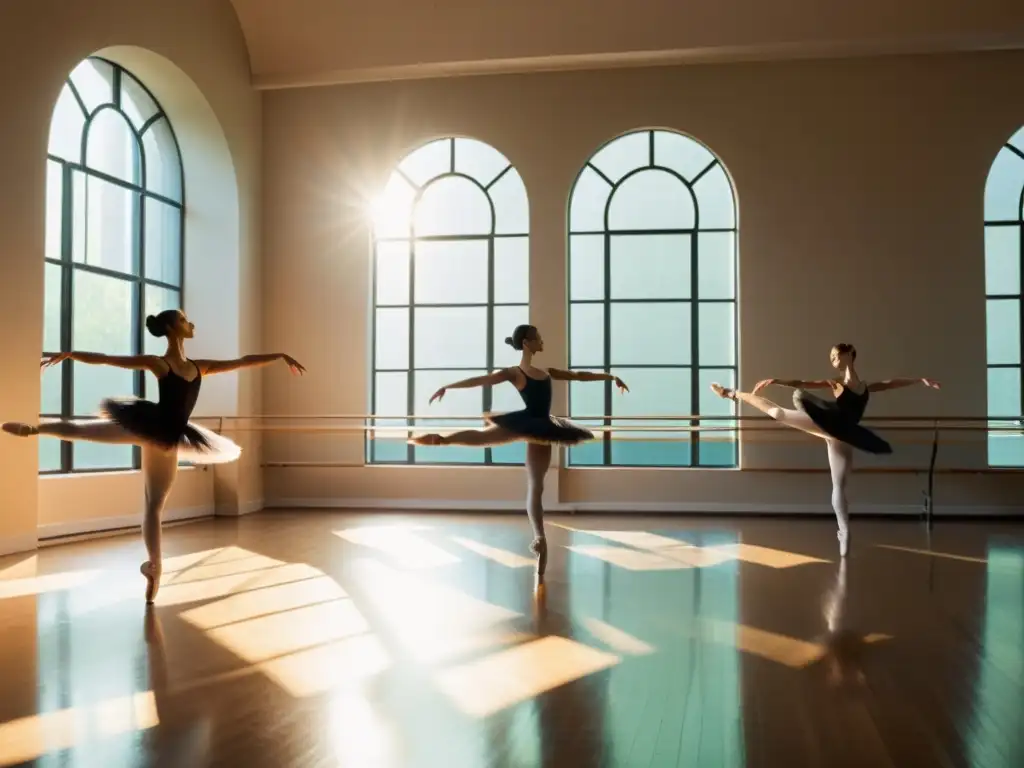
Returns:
<point x="881" y="386"/>
<point x="563" y="375"/>
<point x="210" y="367"/>
<point x="150" y="363"/>
<point x="489" y="380"/>
<point x="794" y="383"/>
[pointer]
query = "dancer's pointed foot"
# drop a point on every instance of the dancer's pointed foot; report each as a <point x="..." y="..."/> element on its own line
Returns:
<point x="844" y="542"/>
<point x="19" y="430"/>
<point x="431" y="439"/>
<point x="152" y="573"/>
<point x="724" y="392"/>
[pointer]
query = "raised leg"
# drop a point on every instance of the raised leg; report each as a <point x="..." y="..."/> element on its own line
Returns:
<point x="93" y="431"/>
<point x="788" y="416"/>
<point x="840" y="462"/>
<point x="160" y="468"/>
<point x="475" y="437"/>
<point x="538" y="460"/>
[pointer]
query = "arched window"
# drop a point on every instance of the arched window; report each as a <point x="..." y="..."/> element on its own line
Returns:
<point x="114" y="247"/>
<point x="652" y="297"/>
<point x="450" y="282"/>
<point x="1004" y="246"/>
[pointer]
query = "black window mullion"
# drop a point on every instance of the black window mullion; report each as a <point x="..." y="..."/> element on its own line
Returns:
<point x="410" y="393"/>
<point x="488" y="396"/>
<point x="139" y="303"/>
<point x="694" y="349"/>
<point x="67" y="391"/>
<point x="607" y="440"/>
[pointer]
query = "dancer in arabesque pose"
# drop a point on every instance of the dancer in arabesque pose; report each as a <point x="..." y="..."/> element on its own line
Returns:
<point x="162" y="429"/>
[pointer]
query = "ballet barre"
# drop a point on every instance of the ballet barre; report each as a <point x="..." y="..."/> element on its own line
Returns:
<point x="755" y="429"/>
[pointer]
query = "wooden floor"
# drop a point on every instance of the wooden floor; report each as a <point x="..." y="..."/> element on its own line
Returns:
<point x="330" y="639"/>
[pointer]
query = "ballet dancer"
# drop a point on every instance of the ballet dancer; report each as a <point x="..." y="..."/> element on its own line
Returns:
<point x="837" y="422"/>
<point x="161" y="429"/>
<point x="534" y="424"/>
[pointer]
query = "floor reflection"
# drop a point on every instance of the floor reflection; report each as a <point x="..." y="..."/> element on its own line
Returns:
<point x="329" y="639"/>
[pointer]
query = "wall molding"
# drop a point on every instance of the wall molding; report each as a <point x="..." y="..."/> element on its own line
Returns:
<point x="102" y="525"/>
<point x="676" y="507"/>
<point x="12" y="545"/>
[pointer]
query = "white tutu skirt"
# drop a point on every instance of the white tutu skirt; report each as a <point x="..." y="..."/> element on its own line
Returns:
<point x="149" y="424"/>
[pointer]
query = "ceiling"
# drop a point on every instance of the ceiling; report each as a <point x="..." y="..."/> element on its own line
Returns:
<point x="304" y="42"/>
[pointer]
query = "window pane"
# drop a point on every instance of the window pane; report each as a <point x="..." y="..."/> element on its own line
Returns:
<point x="1004" y="392"/>
<point x="651" y="334"/>
<point x="157" y="300"/>
<point x="163" y="163"/>
<point x="456" y="402"/>
<point x="93" y="383"/>
<point x="136" y="101"/>
<point x="587" y="204"/>
<point x="451" y="272"/>
<point x="586" y="335"/>
<point x="163" y="242"/>
<point x="49" y="455"/>
<point x="451" y="337"/>
<point x="681" y="154"/>
<point x="392" y="209"/>
<point x="1002" y="260"/>
<point x="111" y="146"/>
<point x="511" y="270"/>
<point x="650" y="266"/>
<point x="716" y="334"/>
<point x="66" y="127"/>
<point x="51" y="307"/>
<point x="651" y="200"/>
<point x="50" y="389"/>
<point x="391" y="339"/>
<point x="716" y="265"/>
<point x="511" y="208"/>
<point x="97" y="456"/>
<point x="717" y="449"/>
<point x="54" y="210"/>
<point x="453" y="206"/>
<point x="715" y="200"/>
<point x="392" y="274"/>
<point x="1002" y="189"/>
<point x="652" y="391"/>
<point x="1004" y="449"/>
<point x="624" y="154"/>
<point x="93" y="78"/>
<point x="108" y="212"/>
<point x="478" y="160"/>
<point x="428" y="162"/>
<point x="586" y="267"/>
<point x="1003" y="331"/>
<point x="586" y="399"/>
<point x="390" y="399"/>
<point x="510" y="453"/>
<point x="505" y="321"/>
<point x="102" y="315"/>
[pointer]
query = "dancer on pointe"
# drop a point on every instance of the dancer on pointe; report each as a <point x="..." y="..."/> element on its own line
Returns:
<point x="161" y="429"/>
<point x="534" y="424"/>
<point x="837" y="422"/>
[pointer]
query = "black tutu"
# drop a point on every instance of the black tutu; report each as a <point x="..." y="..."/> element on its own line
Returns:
<point x="540" y="429"/>
<point x="150" y="423"/>
<point x="838" y="423"/>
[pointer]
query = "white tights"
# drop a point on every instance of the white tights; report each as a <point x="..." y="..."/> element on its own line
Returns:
<point x="159" y="469"/>
<point x="840" y="454"/>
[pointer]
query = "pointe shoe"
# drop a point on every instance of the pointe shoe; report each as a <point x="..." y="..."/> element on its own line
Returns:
<point x="152" y="574"/>
<point x="539" y="547"/>
<point x="19" y="430"/>
<point x="844" y="543"/>
<point x="723" y="392"/>
<point x="432" y="439"/>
